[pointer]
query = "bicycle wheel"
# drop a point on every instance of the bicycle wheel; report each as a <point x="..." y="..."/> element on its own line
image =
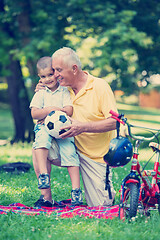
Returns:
<point x="158" y="201"/>
<point x="128" y="208"/>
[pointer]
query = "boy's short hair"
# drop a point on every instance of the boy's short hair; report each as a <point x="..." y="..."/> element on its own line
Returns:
<point x="44" y="62"/>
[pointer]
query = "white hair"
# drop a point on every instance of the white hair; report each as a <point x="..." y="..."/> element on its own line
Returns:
<point x="69" y="56"/>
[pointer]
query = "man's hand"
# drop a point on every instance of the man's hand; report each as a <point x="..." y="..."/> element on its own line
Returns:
<point x="39" y="86"/>
<point x="77" y="127"/>
<point x="73" y="130"/>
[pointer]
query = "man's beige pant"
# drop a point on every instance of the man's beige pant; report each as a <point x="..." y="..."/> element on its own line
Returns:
<point x="93" y="176"/>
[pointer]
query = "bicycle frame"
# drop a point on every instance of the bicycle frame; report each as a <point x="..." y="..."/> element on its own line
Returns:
<point x="150" y="191"/>
<point x="151" y="188"/>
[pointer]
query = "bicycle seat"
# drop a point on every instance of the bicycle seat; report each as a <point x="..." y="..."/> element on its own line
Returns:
<point x="154" y="146"/>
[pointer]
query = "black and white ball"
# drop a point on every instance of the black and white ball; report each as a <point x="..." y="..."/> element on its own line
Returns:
<point x="54" y="121"/>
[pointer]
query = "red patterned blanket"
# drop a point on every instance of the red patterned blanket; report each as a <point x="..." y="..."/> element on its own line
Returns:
<point x="66" y="212"/>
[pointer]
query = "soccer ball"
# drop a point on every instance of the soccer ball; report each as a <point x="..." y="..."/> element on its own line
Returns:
<point x="54" y="121"/>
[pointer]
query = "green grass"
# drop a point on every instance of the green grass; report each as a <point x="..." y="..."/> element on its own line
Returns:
<point x="42" y="227"/>
<point x="23" y="188"/>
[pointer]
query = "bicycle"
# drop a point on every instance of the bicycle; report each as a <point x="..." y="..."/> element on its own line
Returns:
<point x="138" y="192"/>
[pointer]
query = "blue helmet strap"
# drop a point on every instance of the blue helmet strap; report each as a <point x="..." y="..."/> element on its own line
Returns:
<point x="108" y="187"/>
<point x="118" y="128"/>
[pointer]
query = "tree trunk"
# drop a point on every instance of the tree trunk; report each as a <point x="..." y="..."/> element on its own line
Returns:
<point x="19" y="103"/>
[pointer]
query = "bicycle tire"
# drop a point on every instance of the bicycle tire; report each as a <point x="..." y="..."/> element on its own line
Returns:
<point x="158" y="201"/>
<point x="128" y="208"/>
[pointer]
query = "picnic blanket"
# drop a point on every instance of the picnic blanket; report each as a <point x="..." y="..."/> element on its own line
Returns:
<point x="67" y="212"/>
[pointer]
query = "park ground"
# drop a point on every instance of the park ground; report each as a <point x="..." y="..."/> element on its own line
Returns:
<point x="23" y="188"/>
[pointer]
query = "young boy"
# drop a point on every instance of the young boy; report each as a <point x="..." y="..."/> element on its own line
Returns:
<point x="53" y="97"/>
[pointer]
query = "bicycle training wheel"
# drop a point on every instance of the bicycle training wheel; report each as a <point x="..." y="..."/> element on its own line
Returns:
<point x="128" y="208"/>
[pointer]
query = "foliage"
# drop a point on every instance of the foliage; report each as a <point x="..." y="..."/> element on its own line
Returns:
<point x="126" y="41"/>
<point x="31" y="29"/>
<point x="120" y="39"/>
<point x="116" y="40"/>
<point x="149" y="88"/>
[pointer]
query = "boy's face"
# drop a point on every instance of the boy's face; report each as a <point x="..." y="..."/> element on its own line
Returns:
<point x="48" y="79"/>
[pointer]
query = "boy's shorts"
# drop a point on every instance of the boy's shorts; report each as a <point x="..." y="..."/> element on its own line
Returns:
<point x="66" y="147"/>
<point x="42" y="138"/>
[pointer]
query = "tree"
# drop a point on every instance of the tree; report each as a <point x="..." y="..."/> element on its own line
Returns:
<point x="31" y="29"/>
<point x="121" y="43"/>
<point x="16" y="89"/>
<point x="115" y="52"/>
<point x="147" y="20"/>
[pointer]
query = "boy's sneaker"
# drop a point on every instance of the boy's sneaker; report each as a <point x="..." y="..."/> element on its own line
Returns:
<point x="43" y="181"/>
<point x="76" y="197"/>
<point x="41" y="202"/>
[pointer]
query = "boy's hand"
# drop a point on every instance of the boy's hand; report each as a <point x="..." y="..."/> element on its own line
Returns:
<point x="41" y="121"/>
<point x="50" y="109"/>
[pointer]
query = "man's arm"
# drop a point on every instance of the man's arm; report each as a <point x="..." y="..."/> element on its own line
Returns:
<point x="77" y="127"/>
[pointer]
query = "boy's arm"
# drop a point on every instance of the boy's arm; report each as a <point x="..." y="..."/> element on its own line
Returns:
<point x="68" y="110"/>
<point x="41" y="113"/>
<point x="38" y="113"/>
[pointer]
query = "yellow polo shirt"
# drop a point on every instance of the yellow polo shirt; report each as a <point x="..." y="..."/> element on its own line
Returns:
<point x="93" y="103"/>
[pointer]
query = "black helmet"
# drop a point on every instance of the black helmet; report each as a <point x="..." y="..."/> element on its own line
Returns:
<point x="120" y="152"/>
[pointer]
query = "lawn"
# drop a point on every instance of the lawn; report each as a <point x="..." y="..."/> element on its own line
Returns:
<point x="23" y="188"/>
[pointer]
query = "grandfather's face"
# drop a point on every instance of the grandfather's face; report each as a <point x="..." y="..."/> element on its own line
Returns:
<point x="62" y="72"/>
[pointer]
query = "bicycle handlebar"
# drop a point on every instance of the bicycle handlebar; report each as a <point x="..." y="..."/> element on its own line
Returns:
<point x="120" y="118"/>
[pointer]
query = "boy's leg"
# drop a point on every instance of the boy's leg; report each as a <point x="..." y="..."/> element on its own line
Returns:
<point x="45" y="199"/>
<point x="76" y="193"/>
<point x="36" y="166"/>
<point x="45" y="192"/>
<point x="70" y="159"/>
<point x="41" y="145"/>
<point x="74" y="176"/>
<point x="44" y="178"/>
<point x="41" y="156"/>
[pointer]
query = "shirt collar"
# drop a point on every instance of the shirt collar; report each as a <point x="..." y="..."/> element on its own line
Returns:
<point x="59" y="88"/>
<point x="89" y="83"/>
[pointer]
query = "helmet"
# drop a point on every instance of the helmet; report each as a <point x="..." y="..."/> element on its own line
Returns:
<point x="120" y="152"/>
